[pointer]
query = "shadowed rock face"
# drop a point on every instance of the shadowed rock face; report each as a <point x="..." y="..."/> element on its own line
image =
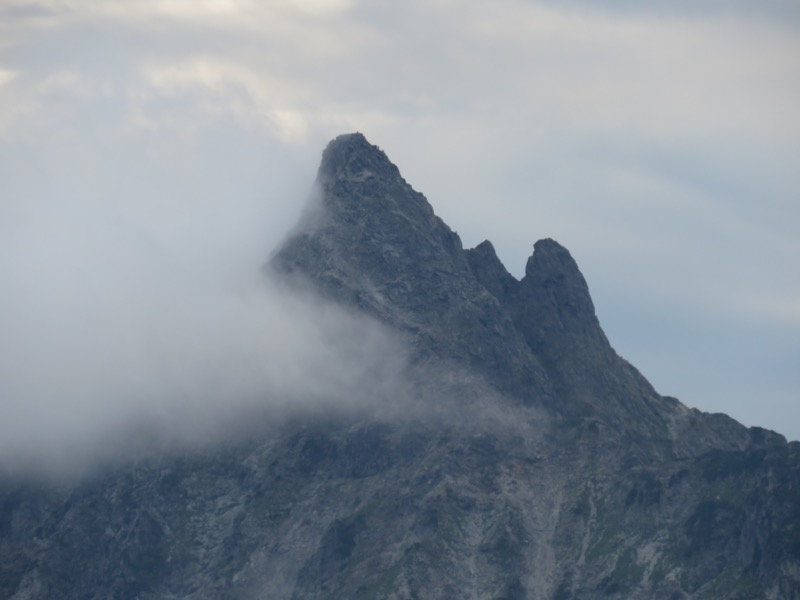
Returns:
<point x="543" y="466"/>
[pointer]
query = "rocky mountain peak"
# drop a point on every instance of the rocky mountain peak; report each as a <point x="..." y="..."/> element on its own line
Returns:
<point x="603" y="491"/>
<point x="375" y="232"/>
<point x="361" y="188"/>
<point x="351" y="156"/>
<point x="379" y="247"/>
<point x="490" y="271"/>
<point x="554" y="285"/>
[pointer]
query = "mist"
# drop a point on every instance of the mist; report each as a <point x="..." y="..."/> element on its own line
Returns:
<point x="142" y="320"/>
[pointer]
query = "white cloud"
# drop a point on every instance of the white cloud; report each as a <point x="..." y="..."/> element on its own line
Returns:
<point x="667" y="77"/>
<point x="6" y="76"/>
<point x="323" y="7"/>
<point x="243" y="92"/>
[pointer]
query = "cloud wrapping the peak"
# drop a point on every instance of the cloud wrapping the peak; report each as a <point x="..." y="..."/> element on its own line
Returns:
<point x="128" y="315"/>
<point x="103" y="334"/>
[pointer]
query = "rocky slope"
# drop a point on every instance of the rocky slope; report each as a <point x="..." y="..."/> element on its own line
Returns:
<point x="530" y="461"/>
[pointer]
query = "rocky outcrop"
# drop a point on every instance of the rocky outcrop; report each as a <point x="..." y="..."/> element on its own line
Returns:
<point x="544" y="465"/>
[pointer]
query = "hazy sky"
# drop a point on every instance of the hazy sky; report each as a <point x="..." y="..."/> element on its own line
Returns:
<point x="153" y="152"/>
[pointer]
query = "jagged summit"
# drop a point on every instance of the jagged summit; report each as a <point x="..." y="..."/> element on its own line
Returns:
<point x="557" y="291"/>
<point x="603" y="490"/>
<point x="359" y="183"/>
<point x="379" y="247"/>
<point x="351" y="156"/>
<point x="490" y="271"/>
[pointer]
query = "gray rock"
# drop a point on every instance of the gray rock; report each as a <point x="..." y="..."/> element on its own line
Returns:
<point x="544" y="465"/>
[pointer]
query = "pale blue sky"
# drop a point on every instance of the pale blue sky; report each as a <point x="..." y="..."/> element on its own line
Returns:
<point x="658" y="142"/>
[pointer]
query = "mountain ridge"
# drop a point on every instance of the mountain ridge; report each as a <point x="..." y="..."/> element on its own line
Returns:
<point x="536" y="462"/>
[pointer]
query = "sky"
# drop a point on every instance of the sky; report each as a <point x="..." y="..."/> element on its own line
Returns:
<point x="154" y="152"/>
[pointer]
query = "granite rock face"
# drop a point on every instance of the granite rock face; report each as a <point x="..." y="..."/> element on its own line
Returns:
<point x="546" y="467"/>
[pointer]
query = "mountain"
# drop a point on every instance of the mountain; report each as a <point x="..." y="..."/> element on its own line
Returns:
<point x="520" y="458"/>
